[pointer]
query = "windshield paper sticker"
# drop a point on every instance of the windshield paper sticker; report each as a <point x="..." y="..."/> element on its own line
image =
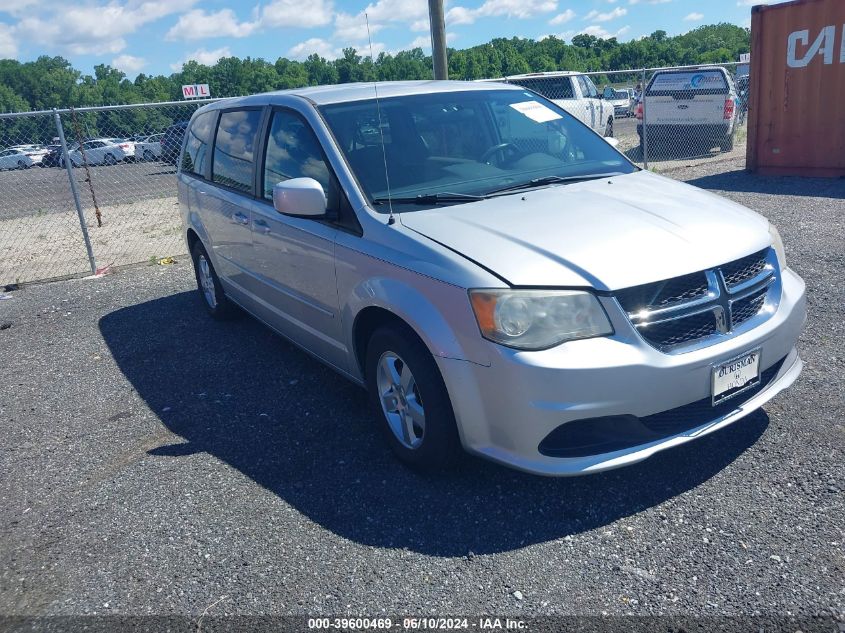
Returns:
<point x="535" y="111"/>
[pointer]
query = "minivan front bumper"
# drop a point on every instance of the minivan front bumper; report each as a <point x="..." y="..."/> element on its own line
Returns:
<point x="505" y="411"/>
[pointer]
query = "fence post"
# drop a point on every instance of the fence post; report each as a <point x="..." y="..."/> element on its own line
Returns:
<point x="645" y="135"/>
<point x="75" y="191"/>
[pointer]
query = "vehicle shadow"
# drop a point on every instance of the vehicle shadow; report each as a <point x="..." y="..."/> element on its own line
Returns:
<point x="244" y="395"/>
<point x="744" y="181"/>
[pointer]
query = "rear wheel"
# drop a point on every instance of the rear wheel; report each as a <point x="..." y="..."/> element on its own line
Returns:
<point x="21" y="164"/>
<point x="208" y="284"/>
<point x="727" y="143"/>
<point x="410" y="398"/>
<point x="608" y="130"/>
<point x="149" y="156"/>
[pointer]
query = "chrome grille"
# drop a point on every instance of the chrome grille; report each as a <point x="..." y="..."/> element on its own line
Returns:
<point x="682" y="313"/>
<point x="738" y="272"/>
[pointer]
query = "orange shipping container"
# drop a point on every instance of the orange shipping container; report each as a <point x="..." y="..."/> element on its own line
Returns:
<point x="796" y="121"/>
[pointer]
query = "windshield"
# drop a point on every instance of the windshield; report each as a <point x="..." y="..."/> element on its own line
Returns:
<point x="474" y="143"/>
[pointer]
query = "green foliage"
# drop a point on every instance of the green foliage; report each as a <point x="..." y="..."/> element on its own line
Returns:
<point x="51" y="81"/>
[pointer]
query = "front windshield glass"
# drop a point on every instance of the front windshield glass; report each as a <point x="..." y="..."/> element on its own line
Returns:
<point x="467" y="143"/>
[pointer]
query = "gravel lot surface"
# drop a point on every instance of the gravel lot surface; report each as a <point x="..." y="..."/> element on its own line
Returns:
<point x="156" y="462"/>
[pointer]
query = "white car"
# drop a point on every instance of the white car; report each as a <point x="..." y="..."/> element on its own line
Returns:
<point x="575" y="93"/>
<point x="15" y="158"/>
<point x="149" y="149"/>
<point x="692" y="108"/>
<point x="103" y="151"/>
<point x="35" y="152"/>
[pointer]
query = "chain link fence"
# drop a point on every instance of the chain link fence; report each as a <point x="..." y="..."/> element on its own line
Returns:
<point x="661" y="117"/>
<point x="89" y="188"/>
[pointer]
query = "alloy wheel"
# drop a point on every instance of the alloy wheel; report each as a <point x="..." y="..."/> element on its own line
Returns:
<point x="400" y="400"/>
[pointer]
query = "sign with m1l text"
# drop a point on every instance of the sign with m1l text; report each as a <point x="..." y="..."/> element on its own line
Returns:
<point x="196" y="91"/>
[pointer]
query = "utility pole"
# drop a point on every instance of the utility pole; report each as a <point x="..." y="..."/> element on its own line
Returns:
<point x="438" y="39"/>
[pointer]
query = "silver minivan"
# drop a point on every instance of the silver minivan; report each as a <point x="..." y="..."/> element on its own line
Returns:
<point x="496" y="274"/>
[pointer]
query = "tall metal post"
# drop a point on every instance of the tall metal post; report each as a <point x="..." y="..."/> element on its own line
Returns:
<point x="438" y="39"/>
<point x="645" y="127"/>
<point x="75" y="191"/>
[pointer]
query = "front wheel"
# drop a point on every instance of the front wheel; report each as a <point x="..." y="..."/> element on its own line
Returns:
<point x="149" y="156"/>
<point x="110" y="160"/>
<point x="410" y="398"/>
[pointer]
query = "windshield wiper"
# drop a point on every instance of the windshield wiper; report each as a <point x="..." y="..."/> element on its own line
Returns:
<point x="551" y="180"/>
<point x="430" y="198"/>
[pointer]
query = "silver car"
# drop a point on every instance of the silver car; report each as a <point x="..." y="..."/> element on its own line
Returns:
<point x="496" y="274"/>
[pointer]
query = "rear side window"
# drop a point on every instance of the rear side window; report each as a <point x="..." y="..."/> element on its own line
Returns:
<point x="293" y="151"/>
<point x="549" y="87"/>
<point x="234" y="149"/>
<point x="688" y="83"/>
<point x="196" y="147"/>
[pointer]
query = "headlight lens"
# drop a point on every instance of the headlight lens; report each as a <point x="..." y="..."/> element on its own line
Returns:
<point x="777" y="244"/>
<point x="538" y="319"/>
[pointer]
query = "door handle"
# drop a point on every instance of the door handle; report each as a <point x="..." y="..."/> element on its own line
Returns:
<point x="262" y="226"/>
<point x="240" y="218"/>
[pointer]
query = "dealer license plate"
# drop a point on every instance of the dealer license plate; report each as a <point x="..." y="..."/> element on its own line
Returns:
<point x="734" y="376"/>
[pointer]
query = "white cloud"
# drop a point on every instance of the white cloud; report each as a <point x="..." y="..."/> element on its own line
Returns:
<point x="595" y="16"/>
<point x="424" y="42"/>
<point x="322" y="47"/>
<point x="694" y="17"/>
<point x="8" y="45"/>
<point x="599" y="31"/>
<point x="129" y="64"/>
<point x="353" y="28"/>
<point x="521" y="9"/>
<point x="94" y="28"/>
<point x="295" y="14"/>
<point x="19" y="8"/>
<point x="421" y="25"/>
<point x="199" y="25"/>
<point x="203" y="56"/>
<point x="562" y="18"/>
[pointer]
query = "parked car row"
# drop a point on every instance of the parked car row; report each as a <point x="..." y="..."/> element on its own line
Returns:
<point x="163" y="146"/>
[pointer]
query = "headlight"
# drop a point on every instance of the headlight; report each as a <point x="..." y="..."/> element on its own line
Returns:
<point x="777" y="244"/>
<point x="538" y="319"/>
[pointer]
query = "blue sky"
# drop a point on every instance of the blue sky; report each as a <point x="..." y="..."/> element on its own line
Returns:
<point x="156" y="36"/>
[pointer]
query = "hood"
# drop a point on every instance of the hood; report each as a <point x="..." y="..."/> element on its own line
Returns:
<point x="609" y="233"/>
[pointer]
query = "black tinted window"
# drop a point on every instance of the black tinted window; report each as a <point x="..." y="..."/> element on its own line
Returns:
<point x="551" y="87"/>
<point x="196" y="147"/>
<point x="293" y="151"/>
<point x="234" y="149"/>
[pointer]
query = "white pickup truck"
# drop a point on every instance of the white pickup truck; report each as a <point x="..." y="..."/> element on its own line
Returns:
<point x="694" y="109"/>
<point x="575" y="93"/>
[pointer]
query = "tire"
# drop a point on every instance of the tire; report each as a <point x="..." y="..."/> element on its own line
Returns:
<point x="21" y="164"/>
<point x="149" y="156"/>
<point x="211" y="292"/>
<point x="109" y="159"/>
<point x="608" y="130"/>
<point x="401" y="401"/>
<point x="727" y="143"/>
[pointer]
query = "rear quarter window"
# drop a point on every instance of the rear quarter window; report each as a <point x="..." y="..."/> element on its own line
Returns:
<point x="196" y="147"/>
<point x="234" y="149"/>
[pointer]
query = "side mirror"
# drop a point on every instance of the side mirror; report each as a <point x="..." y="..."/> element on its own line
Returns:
<point x="613" y="142"/>
<point x="299" y="196"/>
